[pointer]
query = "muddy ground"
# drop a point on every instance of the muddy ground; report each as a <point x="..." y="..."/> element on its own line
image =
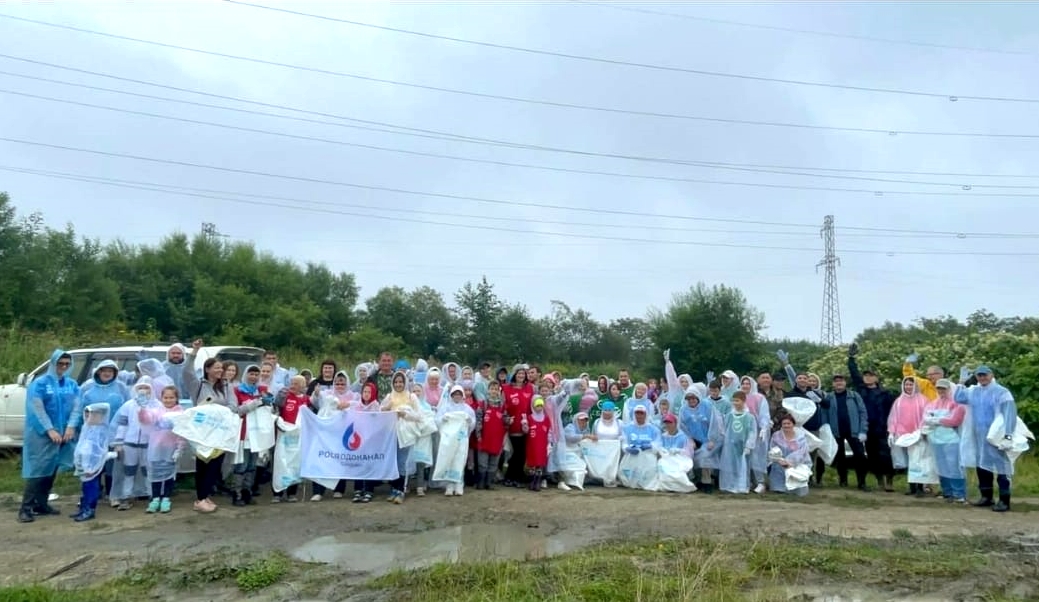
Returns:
<point x="360" y="540"/>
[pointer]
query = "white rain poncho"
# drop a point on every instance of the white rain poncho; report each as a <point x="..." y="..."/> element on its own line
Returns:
<point x="156" y="373"/>
<point x="573" y="467"/>
<point x="740" y="438"/>
<point x="162" y="445"/>
<point x="795" y="478"/>
<point x="675" y="463"/>
<point x="455" y="422"/>
<point x="92" y="447"/>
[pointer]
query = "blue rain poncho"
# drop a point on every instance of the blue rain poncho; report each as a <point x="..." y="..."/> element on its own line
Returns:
<point x="985" y="402"/>
<point x="677" y="384"/>
<point x="703" y="425"/>
<point x="677" y="442"/>
<point x="722" y="404"/>
<point x="113" y="393"/>
<point x="92" y="447"/>
<point x="628" y="412"/>
<point x="740" y="437"/>
<point x="640" y="437"/>
<point x="50" y="403"/>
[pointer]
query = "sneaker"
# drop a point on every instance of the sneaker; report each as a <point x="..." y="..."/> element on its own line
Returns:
<point x="399" y="498"/>
<point x="113" y="502"/>
<point x="153" y="506"/>
<point x="124" y="505"/>
<point x="449" y="491"/>
<point x="459" y="488"/>
<point x="292" y="499"/>
<point x="367" y="497"/>
<point x="316" y="497"/>
<point x="421" y="492"/>
<point x="277" y="499"/>
<point x="760" y="488"/>
<point x="544" y="484"/>
<point x="165" y="506"/>
<point x="563" y="486"/>
<point x="358" y="496"/>
<point x="337" y="496"/>
<point x="392" y="496"/>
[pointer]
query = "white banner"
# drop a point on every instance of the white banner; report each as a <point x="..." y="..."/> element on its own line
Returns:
<point x="349" y="445"/>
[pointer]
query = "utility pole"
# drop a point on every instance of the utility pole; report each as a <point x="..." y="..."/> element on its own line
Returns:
<point x="830" y="332"/>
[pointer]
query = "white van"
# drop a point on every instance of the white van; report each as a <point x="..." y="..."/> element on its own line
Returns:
<point x="84" y="361"/>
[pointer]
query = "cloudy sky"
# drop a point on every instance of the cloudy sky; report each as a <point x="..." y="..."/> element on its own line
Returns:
<point x="464" y="199"/>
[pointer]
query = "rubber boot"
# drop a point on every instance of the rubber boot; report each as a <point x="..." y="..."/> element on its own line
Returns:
<point x="25" y="513"/>
<point x="1003" y="505"/>
<point x="236" y="499"/>
<point x="985" y="501"/>
<point x="482" y="480"/>
<point x="532" y="483"/>
<point x="537" y="480"/>
<point x="247" y="497"/>
<point x="85" y="514"/>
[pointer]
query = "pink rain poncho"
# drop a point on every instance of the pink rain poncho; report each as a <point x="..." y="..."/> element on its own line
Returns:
<point x="907" y="413"/>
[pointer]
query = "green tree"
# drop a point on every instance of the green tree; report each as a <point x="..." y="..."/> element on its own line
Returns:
<point x="479" y="311"/>
<point x="708" y="328"/>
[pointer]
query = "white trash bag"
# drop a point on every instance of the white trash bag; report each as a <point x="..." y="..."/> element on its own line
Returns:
<point x="673" y="472"/>
<point x="639" y="471"/>
<point x="602" y="459"/>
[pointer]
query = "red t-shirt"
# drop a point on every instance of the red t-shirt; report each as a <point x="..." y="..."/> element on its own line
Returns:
<point x="517" y="403"/>
<point x="293" y="403"/>
<point x="243" y="398"/>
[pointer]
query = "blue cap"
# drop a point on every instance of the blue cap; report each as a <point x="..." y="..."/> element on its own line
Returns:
<point x="608" y="406"/>
<point x="983" y="370"/>
<point x="401" y="365"/>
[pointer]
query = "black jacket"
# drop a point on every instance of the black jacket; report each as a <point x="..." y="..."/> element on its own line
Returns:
<point x="878" y="401"/>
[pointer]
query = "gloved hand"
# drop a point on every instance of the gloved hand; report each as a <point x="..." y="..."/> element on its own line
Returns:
<point x="746" y="451"/>
<point x="813" y="396"/>
<point x="111" y="456"/>
<point x="646" y="446"/>
<point x="783" y="356"/>
<point x="632" y="450"/>
<point x="667" y="355"/>
<point x="763" y="434"/>
<point x="710" y="377"/>
<point x="267" y="399"/>
<point x="913" y="358"/>
<point x="853" y="350"/>
<point x="175" y="456"/>
<point x="264" y="457"/>
<point x="141" y="355"/>
<point x="862" y="437"/>
<point x="964" y="374"/>
<point x="890" y="440"/>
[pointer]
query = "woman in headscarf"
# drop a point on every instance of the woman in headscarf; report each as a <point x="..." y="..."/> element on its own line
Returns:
<point x="453" y="465"/>
<point x="757" y="405"/>
<point x="907" y="414"/>
<point x="789" y="449"/>
<point x="406" y="405"/>
<point x="702" y="424"/>
<point x="52" y="416"/>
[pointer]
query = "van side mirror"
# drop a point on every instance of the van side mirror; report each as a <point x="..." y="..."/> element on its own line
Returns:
<point x="21" y="379"/>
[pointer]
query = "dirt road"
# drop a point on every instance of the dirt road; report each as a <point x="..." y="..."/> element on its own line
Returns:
<point x="369" y="539"/>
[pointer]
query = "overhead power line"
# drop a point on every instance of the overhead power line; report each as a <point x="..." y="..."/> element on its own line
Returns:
<point x="649" y="66"/>
<point x="583" y="107"/>
<point x="397" y="217"/>
<point x="876" y="193"/>
<point x="413" y="152"/>
<point x="814" y="32"/>
<point x="482" y="95"/>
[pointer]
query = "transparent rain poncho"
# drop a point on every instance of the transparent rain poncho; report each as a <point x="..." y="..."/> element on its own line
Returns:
<point x="92" y="447"/>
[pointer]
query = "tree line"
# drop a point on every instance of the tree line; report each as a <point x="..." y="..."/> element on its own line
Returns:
<point x="231" y="293"/>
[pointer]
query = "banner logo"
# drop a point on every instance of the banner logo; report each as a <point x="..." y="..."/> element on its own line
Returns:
<point x="352" y="439"/>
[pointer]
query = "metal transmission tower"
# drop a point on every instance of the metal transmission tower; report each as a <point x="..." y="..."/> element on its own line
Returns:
<point x="830" y="333"/>
<point x="209" y="231"/>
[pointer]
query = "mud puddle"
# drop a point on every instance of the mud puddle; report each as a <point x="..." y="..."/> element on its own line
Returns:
<point x="380" y="553"/>
<point x="832" y="594"/>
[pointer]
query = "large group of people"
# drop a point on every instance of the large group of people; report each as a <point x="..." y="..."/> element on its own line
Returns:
<point x="522" y="428"/>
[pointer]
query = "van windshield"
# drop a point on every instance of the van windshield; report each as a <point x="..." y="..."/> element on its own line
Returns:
<point x="243" y="356"/>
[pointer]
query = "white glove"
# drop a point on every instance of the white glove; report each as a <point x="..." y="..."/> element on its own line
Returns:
<point x="813" y="396"/>
<point x="264" y="457"/>
<point x="667" y="355"/>
<point x="175" y="456"/>
<point x="964" y="374"/>
<point x="111" y="456"/>
<point x="862" y="437"/>
<point x="913" y="358"/>
<point x="763" y="434"/>
<point x="746" y="452"/>
<point x="890" y="440"/>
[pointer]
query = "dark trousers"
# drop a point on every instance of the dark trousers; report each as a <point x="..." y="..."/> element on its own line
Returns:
<point x="985" y="483"/>
<point x="515" y="470"/>
<point x="363" y="486"/>
<point x="91" y="493"/>
<point x="858" y="459"/>
<point x="320" y="489"/>
<point x="37" y="490"/>
<point x="161" y="489"/>
<point x="207" y="476"/>
<point x="878" y="456"/>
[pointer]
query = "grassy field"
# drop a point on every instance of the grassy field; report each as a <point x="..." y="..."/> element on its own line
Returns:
<point x="714" y="570"/>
